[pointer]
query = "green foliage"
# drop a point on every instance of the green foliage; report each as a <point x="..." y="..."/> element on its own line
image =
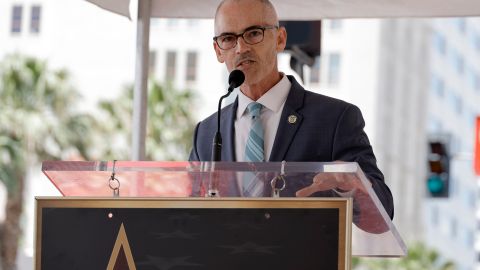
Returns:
<point x="419" y="257"/>
<point x="169" y="126"/>
<point x="38" y="119"/>
<point x="11" y="160"/>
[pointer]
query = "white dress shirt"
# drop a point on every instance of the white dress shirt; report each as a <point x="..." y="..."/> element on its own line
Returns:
<point x="273" y="102"/>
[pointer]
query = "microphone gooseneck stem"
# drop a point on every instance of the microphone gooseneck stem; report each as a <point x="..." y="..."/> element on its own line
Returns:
<point x="217" y="140"/>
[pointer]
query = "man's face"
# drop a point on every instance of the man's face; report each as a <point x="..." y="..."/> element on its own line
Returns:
<point x="258" y="61"/>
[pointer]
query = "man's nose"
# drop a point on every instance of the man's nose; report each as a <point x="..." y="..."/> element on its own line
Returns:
<point x="242" y="46"/>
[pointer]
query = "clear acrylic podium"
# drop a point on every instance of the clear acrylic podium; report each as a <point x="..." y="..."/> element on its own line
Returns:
<point x="222" y="179"/>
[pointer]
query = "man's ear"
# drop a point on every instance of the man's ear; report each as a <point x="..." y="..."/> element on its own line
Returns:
<point x="281" y="39"/>
<point x="218" y="52"/>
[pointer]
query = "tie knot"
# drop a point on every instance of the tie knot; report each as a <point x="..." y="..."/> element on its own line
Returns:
<point x="254" y="109"/>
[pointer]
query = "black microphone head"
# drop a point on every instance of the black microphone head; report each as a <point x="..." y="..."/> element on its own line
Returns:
<point x="236" y="78"/>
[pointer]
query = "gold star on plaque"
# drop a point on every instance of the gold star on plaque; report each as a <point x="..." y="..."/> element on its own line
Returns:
<point x="121" y="257"/>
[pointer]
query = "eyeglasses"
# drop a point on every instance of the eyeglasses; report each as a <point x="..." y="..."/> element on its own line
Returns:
<point x="251" y="35"/>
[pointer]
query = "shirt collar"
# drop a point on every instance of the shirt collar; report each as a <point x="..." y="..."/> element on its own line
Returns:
<point x="273" y="99"/>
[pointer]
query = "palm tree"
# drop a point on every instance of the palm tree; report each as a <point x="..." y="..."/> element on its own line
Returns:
<point x="38" y="121"/>
<point x="169" y="127"/>
<point x="419" y="257"/>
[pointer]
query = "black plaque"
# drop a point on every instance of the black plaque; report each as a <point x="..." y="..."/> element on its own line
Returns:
<point x="193" y="238"/>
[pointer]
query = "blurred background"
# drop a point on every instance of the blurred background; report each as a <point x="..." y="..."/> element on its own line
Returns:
<point x="66" y="78"/>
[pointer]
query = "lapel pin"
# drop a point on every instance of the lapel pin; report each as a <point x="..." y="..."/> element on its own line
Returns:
<point x="292" y="119"/>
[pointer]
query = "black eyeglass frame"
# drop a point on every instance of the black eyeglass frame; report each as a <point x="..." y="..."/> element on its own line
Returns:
<point x="263" y="28"/>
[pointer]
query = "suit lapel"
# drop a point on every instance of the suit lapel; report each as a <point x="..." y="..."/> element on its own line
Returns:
<point x="290" y="122"/>
<point x="228" y="131"/>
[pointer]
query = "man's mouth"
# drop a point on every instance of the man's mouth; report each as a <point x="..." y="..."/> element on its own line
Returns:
<point x="244" y="63"/>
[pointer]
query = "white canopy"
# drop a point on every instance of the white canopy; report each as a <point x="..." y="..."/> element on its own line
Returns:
<point x="311" y="9"/>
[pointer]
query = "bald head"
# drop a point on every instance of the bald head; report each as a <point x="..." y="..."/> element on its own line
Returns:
<point x="256" y="58"/>
<point x="267" y="9"/>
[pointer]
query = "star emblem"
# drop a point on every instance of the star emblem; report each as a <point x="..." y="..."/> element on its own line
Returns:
<point x="182" y="216"/>
<point x="176" y="234"/>
<point x="243" y="225"/>
<point x="164" y="263"/>
<point x="251" y="248"/>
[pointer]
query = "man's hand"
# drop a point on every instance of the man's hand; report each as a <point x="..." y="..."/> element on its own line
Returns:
<point x="368" y="218"/>
<point x="341" y="182"/>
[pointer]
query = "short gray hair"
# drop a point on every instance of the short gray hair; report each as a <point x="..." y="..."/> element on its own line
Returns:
<point x="268" y="6"/>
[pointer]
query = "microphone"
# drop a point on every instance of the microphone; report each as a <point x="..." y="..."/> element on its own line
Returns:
<point x="235" y="79"/>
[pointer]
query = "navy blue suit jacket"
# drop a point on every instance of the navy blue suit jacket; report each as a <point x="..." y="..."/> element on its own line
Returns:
<point x="326" y="129"/>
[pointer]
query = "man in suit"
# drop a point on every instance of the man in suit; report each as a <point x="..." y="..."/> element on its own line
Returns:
<point x="295" y="124"/>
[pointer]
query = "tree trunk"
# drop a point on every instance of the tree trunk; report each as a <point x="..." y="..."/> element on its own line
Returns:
<point x="11" y="230"/>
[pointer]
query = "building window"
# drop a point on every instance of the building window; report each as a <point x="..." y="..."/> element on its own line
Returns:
<point x="16" y="19"/>
<point x="451" y="99"/>
<point x="191" y="66"/>
<point x="455" y="102"/>
<point x="470" y="76"/>
<point x="477" y="42"/>
<point x="152" y="62"/>
<point x="459" y="64"/>
<point x="476" y="82"/>
<point x="434" y="216"/>
<point x="434" y="125"/>
<point x="473" y="118"/>
<point x="315" y="71"/>
<point x="438" y="86"/>
<point x="334" y="62"/>
<point x="455" y="146"/>
<point x="461" y="25"/>
<point x="439" y="43"/>
<point x="453" y="228"/>
<point x="469" y="239"/>
<point x="471" y="200"/>
<point x="456" y="61"/>
<point x="473" y="79"/>
<point x="458" y="104"/>
<point x="35" y="19"/>
<point x="170" y="66"/>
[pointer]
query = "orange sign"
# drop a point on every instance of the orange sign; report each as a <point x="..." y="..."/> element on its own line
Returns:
<point x="476" y="160"/>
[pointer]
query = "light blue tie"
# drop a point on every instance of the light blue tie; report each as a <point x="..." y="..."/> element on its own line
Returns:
<point x="252" y="187"/>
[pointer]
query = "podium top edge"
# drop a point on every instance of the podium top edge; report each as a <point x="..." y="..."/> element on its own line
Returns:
<point x="197" y="166"/>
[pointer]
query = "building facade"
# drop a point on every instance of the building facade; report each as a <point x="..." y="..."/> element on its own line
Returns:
<point x="453" y="104"/>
